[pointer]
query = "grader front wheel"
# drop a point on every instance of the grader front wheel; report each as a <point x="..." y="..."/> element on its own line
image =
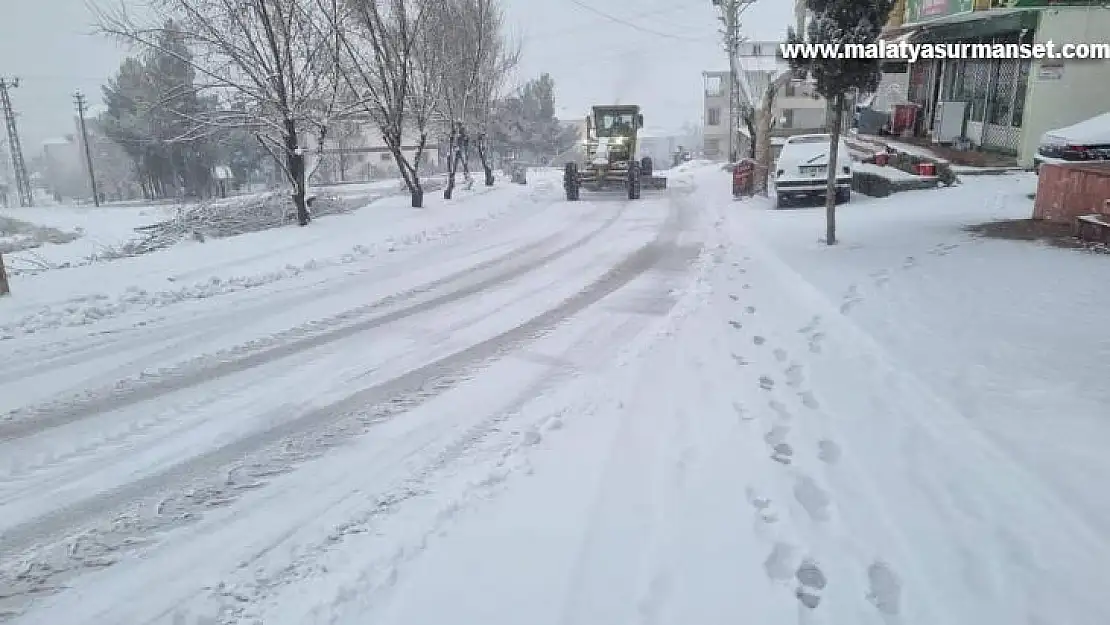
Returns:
<point x="571" y="182"/>
<point x="634" y="181"/>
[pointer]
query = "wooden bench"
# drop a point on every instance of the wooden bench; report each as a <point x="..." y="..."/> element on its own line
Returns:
<point x="1093" y="228"/>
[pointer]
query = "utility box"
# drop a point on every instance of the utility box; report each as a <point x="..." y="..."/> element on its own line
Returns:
<point x="948" y="125"/>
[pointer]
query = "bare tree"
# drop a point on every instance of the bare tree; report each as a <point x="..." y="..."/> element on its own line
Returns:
<point x="764" y="118"/>
<point x="480" y="59"/>
<point x="272" y="62"/>
<point x="380" y="66"/>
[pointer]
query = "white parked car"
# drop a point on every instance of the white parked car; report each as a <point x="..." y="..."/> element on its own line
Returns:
<point x="802" y="169"/>
<point x="1089" y="140"/>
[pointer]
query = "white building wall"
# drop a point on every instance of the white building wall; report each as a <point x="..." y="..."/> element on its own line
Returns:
<point x="367" y="155"/>
<point x="1083" y="89"/>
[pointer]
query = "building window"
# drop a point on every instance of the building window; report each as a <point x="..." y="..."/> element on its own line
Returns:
<point x="385" y="157"/>
<point x="714" y="87"/>
<point x="791" y="90"/>
<point x="712" y="147"/>
<point x="788" y="118"/>
<point x="713" y="117"/>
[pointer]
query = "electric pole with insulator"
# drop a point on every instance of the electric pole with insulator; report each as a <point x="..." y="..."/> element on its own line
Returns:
<point x="79" y="101"/>
<point x="22" y="179"/>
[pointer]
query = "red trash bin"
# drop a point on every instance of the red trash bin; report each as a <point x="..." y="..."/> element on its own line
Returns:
<point x="743" y="178"/>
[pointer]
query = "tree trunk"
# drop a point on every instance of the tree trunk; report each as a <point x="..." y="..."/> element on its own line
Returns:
<point x="4" y="290"/>
<point x="482" y="156"/>
<point x="752" y="134"/>
<point x="830" y="188"/>
<point x="294" y="162"/>
<point x="763" y="144"/>
<point x="452" y="162"/>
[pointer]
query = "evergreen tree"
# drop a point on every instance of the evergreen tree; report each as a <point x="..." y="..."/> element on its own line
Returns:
<point x="840" y="22"/>
<point x="527" y="124"/>
<point x="152" y="108"/>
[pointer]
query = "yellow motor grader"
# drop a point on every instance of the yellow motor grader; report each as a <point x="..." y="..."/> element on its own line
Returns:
<point x="610" y="161"/>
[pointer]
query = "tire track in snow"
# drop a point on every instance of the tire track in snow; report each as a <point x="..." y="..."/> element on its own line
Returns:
<point x="499" y="455"/>
<point x="52" y="318"/>
<point x="31" y="420"/>
<point x="43" y="359"/>
<point x="117" y="436"/>
<point x="443" y="249"/>
<point x="184" y="491"/>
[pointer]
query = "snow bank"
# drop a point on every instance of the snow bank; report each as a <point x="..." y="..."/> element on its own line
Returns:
<point x="17" y="235"/>
<point x="84" y="295"/>
<point x="94" y="230"/>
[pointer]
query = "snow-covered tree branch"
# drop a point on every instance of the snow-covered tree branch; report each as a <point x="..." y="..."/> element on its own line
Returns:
<point x="271" y="61"/>
<point x="379" y="41"/>
<point x="480" y="59"/>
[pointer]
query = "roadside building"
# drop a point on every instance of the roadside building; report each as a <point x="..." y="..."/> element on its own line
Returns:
<point x="1000" y="104"/>
<point x="796" y="109"/>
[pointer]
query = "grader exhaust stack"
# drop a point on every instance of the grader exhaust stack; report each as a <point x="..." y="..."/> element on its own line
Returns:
<point x="612" y="141"/>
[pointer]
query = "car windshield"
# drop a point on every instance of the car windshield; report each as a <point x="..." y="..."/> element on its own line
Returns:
<point x="615" y="124"/>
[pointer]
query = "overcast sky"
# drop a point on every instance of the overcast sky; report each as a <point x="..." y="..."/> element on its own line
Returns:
<point x="654" y="58"/>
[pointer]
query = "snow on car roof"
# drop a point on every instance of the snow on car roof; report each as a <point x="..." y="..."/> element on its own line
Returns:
<point x="1093" y="130"/>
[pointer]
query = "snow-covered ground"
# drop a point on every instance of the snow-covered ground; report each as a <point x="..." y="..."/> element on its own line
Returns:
<point x="680" y="410"/>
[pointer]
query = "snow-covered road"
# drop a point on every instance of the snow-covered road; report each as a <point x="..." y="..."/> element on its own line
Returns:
<point x="114" y="441"/>
<point x="668" y="411"/>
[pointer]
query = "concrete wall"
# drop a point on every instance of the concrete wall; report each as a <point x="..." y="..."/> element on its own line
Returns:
<point x="1065" y="192"/>
<point x="1083" y="90"/>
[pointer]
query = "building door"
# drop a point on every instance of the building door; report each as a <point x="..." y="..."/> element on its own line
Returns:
<point x="1002" y="130"/>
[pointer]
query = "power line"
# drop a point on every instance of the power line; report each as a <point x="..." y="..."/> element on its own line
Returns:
<point x="579" y="29"/>
<point x="632" y="25"/>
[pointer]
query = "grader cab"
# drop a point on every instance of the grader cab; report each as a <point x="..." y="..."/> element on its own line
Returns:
<point x="610" y="163"/>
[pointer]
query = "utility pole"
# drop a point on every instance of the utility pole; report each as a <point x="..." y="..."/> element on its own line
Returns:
<point x="22" y="180"/>
<point x="79" y="100"/>
<point x="731" y="39"/>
